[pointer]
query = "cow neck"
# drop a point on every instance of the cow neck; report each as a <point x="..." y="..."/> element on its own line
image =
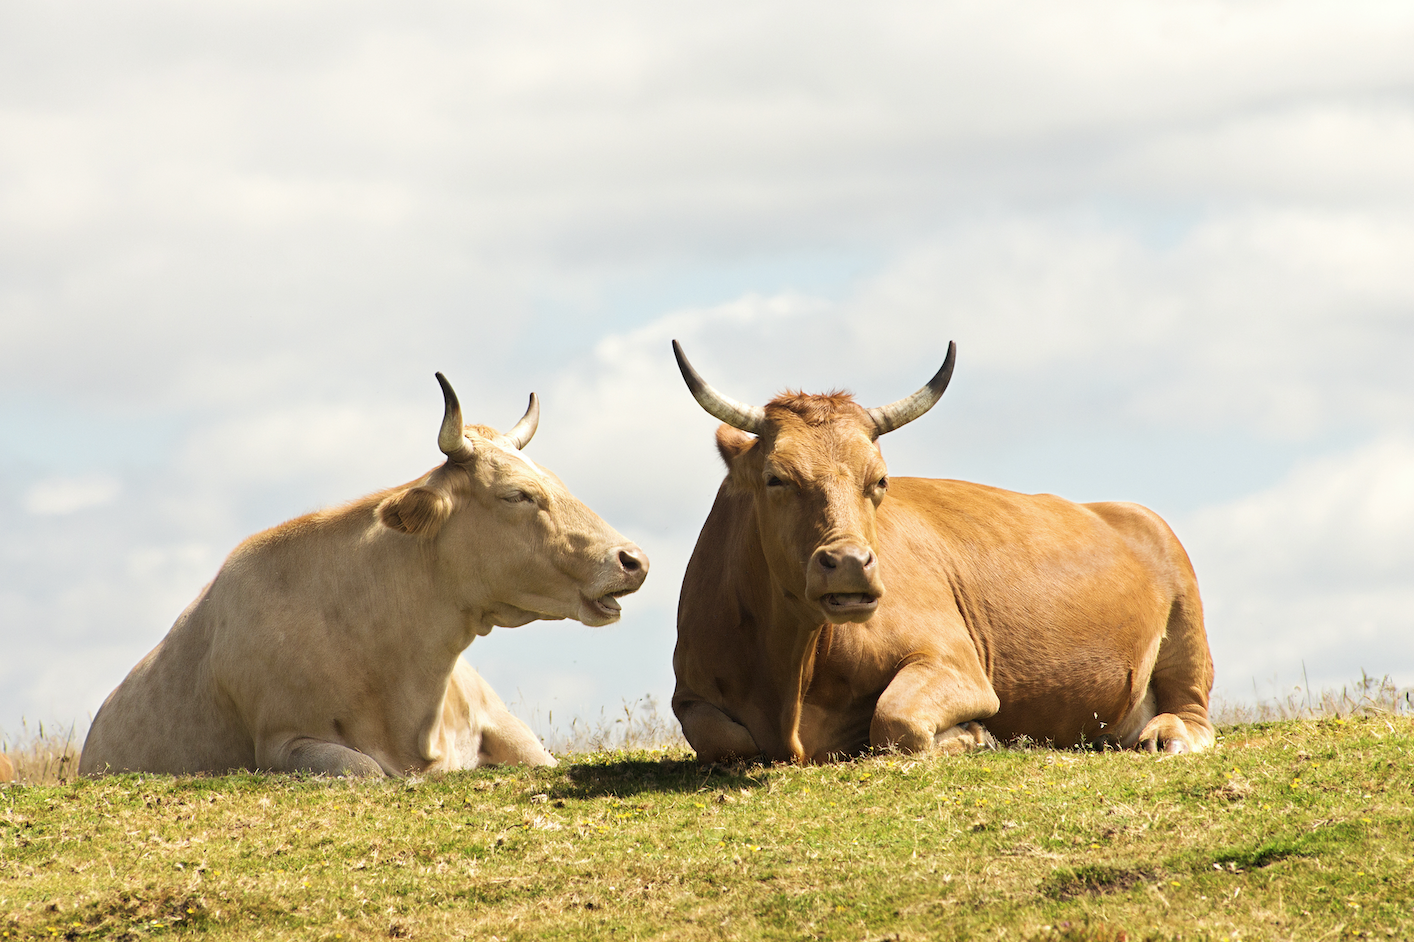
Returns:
<point x="791" y="645"/>
<point x="786" y="637"/>
<point x="422" y="660"/>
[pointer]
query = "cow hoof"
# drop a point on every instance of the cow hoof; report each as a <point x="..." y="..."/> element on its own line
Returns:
<point x="1170" y="735"/>
<point x="1169" y="747"/>
<point x="964" y="737"/>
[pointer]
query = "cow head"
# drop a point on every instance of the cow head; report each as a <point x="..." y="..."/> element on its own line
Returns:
<point x="811" y="465"/>
<point x="508" y="535"/>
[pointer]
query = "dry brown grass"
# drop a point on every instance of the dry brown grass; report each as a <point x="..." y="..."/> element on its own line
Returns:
<point x="636" y="725"/>
<point x="1367" y="696"/>
<point x="44" y="755"/>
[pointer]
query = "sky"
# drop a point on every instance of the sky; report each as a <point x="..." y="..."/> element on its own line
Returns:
<point x="1173" y="242"/>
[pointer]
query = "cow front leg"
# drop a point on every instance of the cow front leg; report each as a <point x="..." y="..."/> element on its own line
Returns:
<point x="505" y="740"/>
<point x="327" y="758"/>
<point x="933" y="707"/>
<point x="478" y="729"/>
<point x="713" y="735"/>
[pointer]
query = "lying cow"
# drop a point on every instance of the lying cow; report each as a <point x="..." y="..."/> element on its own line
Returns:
<point x="1006" y="615"/>
<point x="332" y="643"/>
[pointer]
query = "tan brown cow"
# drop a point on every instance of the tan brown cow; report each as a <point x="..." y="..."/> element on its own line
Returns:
<point x="829" y="607"/>
<point x="7" y="770"/>
<point x="332" y="643"/>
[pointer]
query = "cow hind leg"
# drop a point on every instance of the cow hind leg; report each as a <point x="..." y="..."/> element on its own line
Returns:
<point x="328" y="758"/>
<point x="506" y="740"/>
<point x="1172" y="717"/>
<point x="1150" y="731"/>
<point x="1169" y="734"/>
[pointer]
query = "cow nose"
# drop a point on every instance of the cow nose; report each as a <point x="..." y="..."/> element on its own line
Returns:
<point x="634" y="562"/>
<point x="858" y="558"/>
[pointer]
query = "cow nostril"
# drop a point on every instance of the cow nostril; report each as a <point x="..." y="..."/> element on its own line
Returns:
<point x="869" y="560"/>
<point x="828" y="562"/>
<point x="630" y="560"/>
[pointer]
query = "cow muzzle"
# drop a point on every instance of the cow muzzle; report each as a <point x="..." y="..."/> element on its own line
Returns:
<point x="844" y="581"/>
<point x="628" y="569"/>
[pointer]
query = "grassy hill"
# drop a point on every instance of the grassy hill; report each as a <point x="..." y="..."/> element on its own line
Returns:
<point x="1296" y="829"/>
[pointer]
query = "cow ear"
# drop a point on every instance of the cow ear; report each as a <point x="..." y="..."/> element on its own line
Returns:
<point x="732" y="443"/>
<point x="417" y="511"/>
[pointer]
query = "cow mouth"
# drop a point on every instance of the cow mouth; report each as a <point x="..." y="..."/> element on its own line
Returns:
<point x="855" y="603"/>
<point x="607" y="605"/>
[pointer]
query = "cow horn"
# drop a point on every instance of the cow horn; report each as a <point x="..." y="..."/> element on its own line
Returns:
<point x="747" y="418"/>
<point x="898" y="414"/>
<point x="524" y="430"/>
<point x="452" y="438"/>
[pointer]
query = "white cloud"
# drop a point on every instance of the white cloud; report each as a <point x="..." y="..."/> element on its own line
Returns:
<point x="1339" y="518"/>
<point x="343" y="448"/>
<point x="1283" y="322"/>
<point x="1314" y="570"/>
<point x="61" y="496"/>
<point x="1322" y="150"/>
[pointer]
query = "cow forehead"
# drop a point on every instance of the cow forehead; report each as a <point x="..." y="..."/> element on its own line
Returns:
<point x="824" y="449"/>
<point x="517" y="455"/>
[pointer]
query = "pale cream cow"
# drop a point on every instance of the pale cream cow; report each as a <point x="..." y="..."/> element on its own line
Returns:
<point x="332" y="643"/>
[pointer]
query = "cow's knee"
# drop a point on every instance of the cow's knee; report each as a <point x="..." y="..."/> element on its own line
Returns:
<point x="713" y="735"/>
<point x="891" y="731"/>
<point x="328" y="758"/>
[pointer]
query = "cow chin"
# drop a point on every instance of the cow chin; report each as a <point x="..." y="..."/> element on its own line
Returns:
<point x="841" y="608"/>
<point x="598" y="612"/>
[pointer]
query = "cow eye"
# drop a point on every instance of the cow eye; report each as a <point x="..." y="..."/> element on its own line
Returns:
<point x="883" y="482"/>
<point x="774" y="481"/>
<point x="518" y="497"/>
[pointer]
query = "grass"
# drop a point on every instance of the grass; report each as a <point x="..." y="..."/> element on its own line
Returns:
<point x="44" y="755"/>
<point x="1289" y="829"/>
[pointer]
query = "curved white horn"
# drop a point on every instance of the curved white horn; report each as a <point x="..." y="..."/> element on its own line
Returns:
<point x="898" y="414"/>
<point x="452" y="438"/>
<point x="524" y="430"/>
<point x="747" y="418"/>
